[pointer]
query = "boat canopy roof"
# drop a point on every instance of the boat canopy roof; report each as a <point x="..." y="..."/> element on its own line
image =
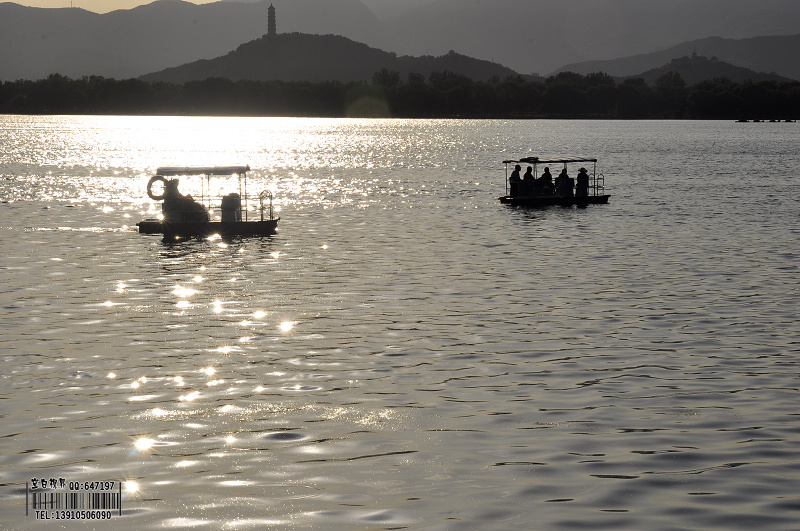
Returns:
<point x="550" y="160"/>
<point x="202" y="170"/>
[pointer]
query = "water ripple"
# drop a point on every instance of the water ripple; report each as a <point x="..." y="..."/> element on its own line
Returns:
<point x="405" y="352"/>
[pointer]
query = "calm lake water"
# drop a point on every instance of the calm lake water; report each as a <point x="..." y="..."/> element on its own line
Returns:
<point x="405" y="353"/>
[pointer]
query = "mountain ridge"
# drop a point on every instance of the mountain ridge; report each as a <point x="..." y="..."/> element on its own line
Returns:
<point x="323" y="58"/>
<point x="320" y="58"/>
<point x="543" y="35"/>
<point x="526" y="36"/>
<point x="759" y="54"/>
<point x="694" y="69"/>
<point x="35" y="42"/>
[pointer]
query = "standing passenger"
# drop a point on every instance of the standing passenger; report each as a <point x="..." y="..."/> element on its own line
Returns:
<point x="515" y="180"/>
<point x="582" y="186"/>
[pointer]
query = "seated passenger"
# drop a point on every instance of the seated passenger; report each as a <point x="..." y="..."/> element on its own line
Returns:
<point x="181" y="208"/>
<point x="528" y="182"/>
<point x="545" y="183"/>
<point x="528" y="174"/>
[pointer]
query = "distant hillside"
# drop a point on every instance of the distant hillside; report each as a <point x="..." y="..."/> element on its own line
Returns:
<point x="528" y="36"/>
<point x="542" y="35"/>
<point x="36" y="42"/>
<point x="776" y="54"/>
<point x="315" y="58"/>
<point x="695" y="68"/>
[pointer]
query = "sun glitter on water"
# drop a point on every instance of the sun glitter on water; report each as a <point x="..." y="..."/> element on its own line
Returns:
<point x="144" y="444"/>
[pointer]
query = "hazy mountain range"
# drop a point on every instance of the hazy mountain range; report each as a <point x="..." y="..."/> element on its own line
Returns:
<point x="317" y="58"/>
<point x="760" y="54"/>
<point x="539" y="36"/>
<point x="622" y="37"/>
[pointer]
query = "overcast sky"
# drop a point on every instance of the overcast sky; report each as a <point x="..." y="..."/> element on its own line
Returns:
<point x="379" y="7"/>
<point x="98" y="6"/>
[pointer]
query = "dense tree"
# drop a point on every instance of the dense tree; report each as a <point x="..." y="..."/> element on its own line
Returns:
<point x="386" y="78"/>
<point x="671" y="92"/>
<point x="601" y="94"/>
<point x="442" y="94"/>
<point x="634" y="99"/>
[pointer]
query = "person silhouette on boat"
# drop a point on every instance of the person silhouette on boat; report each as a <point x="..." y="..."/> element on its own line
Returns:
<point x="528" y="174"/>
<point x="545" y="183"/>
<point x="515" y="180"/>
<point x="560" y="178"/>
<point x="181" y="208"/>
<point x="564" y="184"/>
<point x="582" y="183"/>
<point x="528" y="181"/>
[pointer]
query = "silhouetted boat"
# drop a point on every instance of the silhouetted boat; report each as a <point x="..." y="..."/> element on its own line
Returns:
<point x="184" y="217"/>
<point x="543" y="190"/>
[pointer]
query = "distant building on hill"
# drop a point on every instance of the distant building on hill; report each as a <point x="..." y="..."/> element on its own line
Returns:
<point x="271" y="31"/>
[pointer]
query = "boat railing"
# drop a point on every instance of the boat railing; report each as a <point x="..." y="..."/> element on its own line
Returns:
<point x="597" y="184"/>
<point x="596" y="181"/>
<point x="229" y="207"/>
<point x="268" y="195"/>
<point x="265" y="204"/>
<point x="235" y="210"/>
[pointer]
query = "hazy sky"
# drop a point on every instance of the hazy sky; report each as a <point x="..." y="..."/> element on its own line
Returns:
<point x="98" y="6"/>
<point x="379" y="7"/>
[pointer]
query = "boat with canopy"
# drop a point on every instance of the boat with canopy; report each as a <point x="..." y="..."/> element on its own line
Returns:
<point x="534" y="189"/>
<point x="231" y="214"/>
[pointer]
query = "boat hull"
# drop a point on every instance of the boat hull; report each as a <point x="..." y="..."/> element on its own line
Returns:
<point x="203" y="229"/>
<point x="551" y="200"/>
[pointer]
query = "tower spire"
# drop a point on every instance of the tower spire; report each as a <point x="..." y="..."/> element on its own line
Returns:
<point x="271" y="31"/>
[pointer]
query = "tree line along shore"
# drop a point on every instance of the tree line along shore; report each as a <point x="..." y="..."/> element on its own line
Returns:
<point x="440" y="95"/>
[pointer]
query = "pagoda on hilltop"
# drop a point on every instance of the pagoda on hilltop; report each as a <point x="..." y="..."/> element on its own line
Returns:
<point x="271" y="31"/>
